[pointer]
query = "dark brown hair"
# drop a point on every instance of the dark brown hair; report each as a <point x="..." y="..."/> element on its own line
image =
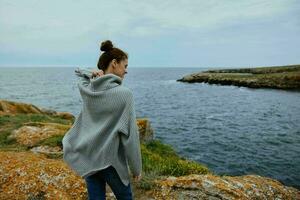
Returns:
<point x="110" y="53"/>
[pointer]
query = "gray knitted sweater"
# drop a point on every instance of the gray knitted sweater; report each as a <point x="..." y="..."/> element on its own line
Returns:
<point x="105" y="131"/>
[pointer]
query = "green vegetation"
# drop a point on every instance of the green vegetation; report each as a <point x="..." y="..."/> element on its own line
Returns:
<point x="161" y="160"/>
<point x="53" y="141"/>
<point x="4" y="140"/>
<point x="19" y="119"/>
<point x="8" y="123"/>
<point x="260" y="70"/>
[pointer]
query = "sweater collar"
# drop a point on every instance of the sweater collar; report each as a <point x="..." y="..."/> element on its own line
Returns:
<point x="105" y="82"/>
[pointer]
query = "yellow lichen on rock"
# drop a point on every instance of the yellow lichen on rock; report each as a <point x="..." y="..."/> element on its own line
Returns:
<point x="47" y="149"/>
<point x="223" y="187"/>
<point x="32" y="133"/>
<point x="64" y="115"/>
<point x="26" y="174"/>
<point x="145" y="130"/>
<point x="10" y="107"/>
<point x="13" y="108"/>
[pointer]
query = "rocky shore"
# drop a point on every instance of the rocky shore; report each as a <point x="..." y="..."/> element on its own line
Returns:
<point x="31" y="165"/>
<point x="277" y="77"/>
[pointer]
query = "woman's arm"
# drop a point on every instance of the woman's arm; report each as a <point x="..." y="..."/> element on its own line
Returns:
<point x="130" y="137"/>
<point x="86" y="75"/>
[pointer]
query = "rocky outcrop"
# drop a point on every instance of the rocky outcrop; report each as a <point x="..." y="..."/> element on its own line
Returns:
<point x="145" y="130"/>
<point x="47" y="149"/>
<point x="25" y="175"/>
<point x="33" y="176"/>
<point x="285" y="77"/>
<point x="223" y="187"/>
<point x="63" y="115"/>
<point x="32" y="133"/>
<point x="12" y="108"/>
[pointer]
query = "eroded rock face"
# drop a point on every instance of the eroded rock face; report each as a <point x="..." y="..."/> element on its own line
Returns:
<point x="32" y="133"/>
<point x="281" y="77"/>
<point x="47" y="149"/>
<point x="26" y="175"/>
<point x="10" y="107"/>
<point x="223" y="187"/>
<point x="145" y="130"/>
<point x="63" y="115"/>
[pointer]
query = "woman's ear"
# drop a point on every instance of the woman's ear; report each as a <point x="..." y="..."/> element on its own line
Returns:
<point x="114" y="63"/>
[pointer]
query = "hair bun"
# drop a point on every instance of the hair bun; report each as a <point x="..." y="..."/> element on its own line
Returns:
<point x="106" y="46"/>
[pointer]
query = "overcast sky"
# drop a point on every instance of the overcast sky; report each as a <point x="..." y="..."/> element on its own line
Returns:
<point x="198" y="33"/>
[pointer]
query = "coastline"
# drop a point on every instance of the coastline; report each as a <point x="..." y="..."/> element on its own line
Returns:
<point x="275" y="77"/>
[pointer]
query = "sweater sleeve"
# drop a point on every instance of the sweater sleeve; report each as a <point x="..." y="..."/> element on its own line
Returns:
<point x="130" y="137"/>
<point x="84" y="76"/>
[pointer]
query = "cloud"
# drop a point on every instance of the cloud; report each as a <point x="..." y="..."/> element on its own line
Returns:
<point x="53" y="27"/>
<point x="57" y="19"/>
<point x="207" y="14"/>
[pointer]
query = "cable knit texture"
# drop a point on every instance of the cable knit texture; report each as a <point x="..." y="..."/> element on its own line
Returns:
<point x="105" y="131"/>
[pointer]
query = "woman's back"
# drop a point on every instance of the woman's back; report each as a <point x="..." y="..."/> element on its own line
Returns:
<point x="107" y="118"/>
<point x="103" y="143"/>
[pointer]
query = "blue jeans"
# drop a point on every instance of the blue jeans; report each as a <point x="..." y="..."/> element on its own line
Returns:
<point x="96" y="185"/>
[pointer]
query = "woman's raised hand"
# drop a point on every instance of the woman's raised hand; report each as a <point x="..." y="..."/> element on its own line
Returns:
<point x="97" y="73"/>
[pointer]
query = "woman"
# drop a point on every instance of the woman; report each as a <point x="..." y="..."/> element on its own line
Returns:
<point x="104" y="138"/>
